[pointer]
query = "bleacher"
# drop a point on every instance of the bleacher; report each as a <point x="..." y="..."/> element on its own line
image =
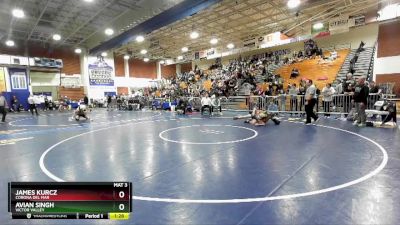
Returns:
<point x="321" y="72"/>
<point x="363" y="66"/>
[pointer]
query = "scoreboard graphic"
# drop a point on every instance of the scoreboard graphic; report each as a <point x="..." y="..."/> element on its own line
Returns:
<point x="70" y="200"/>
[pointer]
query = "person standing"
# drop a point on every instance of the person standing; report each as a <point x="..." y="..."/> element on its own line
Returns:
<point x="32" y="105"/>
<point x="311" y="100"/>
<point x="293" y="92"/>
<point x="361" y="92"/>
<point x="348" y="87"/>
<point x="109" y="102"/>
<point x="86" y="100"/>
<point x="3" y="107"/>
<point x="327" y="93"/>
<point x="46" y="103"/>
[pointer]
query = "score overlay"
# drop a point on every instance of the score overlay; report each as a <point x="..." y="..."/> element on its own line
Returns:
<point x="70" y="200"/>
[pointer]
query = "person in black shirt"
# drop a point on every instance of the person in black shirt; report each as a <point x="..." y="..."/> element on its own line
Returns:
<point x="86" y="100"/>
<point x="374" y="88"/>
<point x="15" y="106"/>
<point x="361" y="92"/>
<point x="348" y="87"/>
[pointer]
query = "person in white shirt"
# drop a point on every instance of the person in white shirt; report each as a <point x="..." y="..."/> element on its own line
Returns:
<point x="334" y="55"/>
<point x="311" y="100"/>
<point x="3" y="107"/>
<point x="327" y="92"/>
<point x="205" y="103"/>
<point x="32" y="105"/>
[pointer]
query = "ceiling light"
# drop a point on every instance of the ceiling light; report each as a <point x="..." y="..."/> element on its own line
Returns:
<point x="109" y="31"/>
<point x="318" y="26"/>
<point x="185" y="49"/>
<point x="10" y="43"/>
<point x="293" y="3"/>
<point x="88" y="0"/>
<point x="162" y="62"/>
<point x="78" y="51"/>
<point x="126" y="57"/>
<point x="194" y="35"/>
<point x="56" y="37"/>
<point x="214" y="41"/>
<point x="143" y="52"/>
<point x="389" y="12"/>
<point x="146" y="59"/>
<point x="140" y="38"/>
<point x="180" y="57"/>
<point x="104" y="54"/>
<point x="19" y="13"/>
<point x="230" y="46"/>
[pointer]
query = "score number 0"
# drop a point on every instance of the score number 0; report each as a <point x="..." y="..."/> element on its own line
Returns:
<point x="121" y="206"/>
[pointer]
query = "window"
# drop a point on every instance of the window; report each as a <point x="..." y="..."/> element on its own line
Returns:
<point x="18" y="82"/>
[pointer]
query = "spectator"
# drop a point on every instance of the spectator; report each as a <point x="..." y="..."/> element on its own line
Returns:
<point x="295" y="73"/>
<point x="15" y="106"/>
<point x="32" y="104"/>
<point x="109" y="100"/>
<point x="333" y="56"/>
<point x="348" y="87"/>
<point x="46" y="103"/>
<point x="311" y="100"/>
<point x="3" y="108"/>
<point x="86" y="100"/>
<point x="361" y="93"/>
<point x="205" y="103"/>
<point x="293" y="92"/>
<point x="282" y="100"/>
<point x="327" y="93"/>
<point x="374" y="88"/>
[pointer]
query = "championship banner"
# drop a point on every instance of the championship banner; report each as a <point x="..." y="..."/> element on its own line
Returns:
<point x="101" y="73"/>
<point x="2" y="80"/>
<point x="339" y="24"/>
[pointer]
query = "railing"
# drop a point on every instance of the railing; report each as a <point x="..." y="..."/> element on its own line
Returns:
<point x="337" y="104"/>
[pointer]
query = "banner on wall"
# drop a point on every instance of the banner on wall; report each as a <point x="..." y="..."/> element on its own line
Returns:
<point x="250" y="42"/>
<point x="273" y="39"/>
<point x="101" y="73"/>
<point x="356" y="21"/>
<point x="322" y="31"/>
<point x="339" y="24"/>
<point x="2" y="80"/>
<point x="46" y="62"/>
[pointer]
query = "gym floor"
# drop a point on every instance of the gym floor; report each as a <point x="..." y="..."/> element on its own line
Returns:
<point x="212" y="170"/>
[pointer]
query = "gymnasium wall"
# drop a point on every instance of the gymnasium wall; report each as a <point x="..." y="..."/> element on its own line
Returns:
<point x="387" y="58"/>
<point x="70" y="59"/>
<point x="168" y="71"/>
<point x="140" y="69"/>
<point x="368" y="34"/>
<point x="119" y="66"/>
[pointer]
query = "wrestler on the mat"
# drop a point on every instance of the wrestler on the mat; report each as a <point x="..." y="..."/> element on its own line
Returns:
<point x="259" y="118"/>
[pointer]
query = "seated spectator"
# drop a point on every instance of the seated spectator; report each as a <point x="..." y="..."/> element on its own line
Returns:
<point x="295" y="73"/>
<point x="181" y="107"/>
<point x="333" y="56"/>
<point x="15" y="105"/>
<point x="205" y="103"/>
